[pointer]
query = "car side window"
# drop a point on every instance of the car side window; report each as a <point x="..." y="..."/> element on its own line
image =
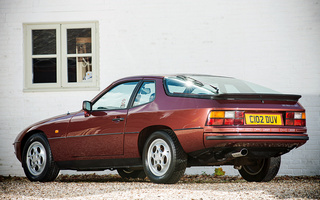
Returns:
<point x="116" y="98"/>
<point x="146" y="94"/>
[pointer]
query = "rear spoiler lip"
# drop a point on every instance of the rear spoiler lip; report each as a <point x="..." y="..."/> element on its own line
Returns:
<point x="261" y="97"/>
<point x="241" y="96"/>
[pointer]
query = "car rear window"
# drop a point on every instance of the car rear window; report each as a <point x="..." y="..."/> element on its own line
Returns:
<point x="212" y="85"/>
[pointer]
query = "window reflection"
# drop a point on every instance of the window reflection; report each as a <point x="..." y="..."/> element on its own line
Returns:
<point x="79" y="41"/>
<point x="43" y="42"/>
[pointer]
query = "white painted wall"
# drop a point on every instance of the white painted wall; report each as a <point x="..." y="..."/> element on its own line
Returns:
<point x="273" y="43"/>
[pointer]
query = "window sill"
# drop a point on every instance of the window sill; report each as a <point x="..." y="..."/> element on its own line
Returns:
<point x="61" y="89"/>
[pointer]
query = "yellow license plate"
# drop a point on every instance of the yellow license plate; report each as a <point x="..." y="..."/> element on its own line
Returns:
<point x="263" y="119"/>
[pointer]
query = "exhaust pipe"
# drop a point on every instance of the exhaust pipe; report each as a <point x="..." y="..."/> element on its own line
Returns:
<point x="241" y="153"/>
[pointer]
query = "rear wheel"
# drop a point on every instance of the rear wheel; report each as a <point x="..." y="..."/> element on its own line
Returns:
<point x="263" y="171"/>
<point x="164" y="160"/>
<point x="129" y="173"/>
<point x="37" y="160"/>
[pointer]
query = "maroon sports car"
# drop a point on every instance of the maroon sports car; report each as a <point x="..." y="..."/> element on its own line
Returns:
<point x="156" y="126"/>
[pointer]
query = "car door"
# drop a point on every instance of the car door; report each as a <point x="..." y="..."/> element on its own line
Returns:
<point x="102" y="132"/>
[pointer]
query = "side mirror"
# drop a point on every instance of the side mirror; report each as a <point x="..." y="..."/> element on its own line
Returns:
<point x="87" y="107"/>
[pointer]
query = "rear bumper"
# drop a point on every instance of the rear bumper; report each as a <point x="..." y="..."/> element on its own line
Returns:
<point x="254" y="140"/>
<point x="257" y="137"/>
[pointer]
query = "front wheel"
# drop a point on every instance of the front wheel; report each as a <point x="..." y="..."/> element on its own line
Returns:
<point x="264" y="170"/>
<point x="164" y="160"/>
<point x="37" y="159"/>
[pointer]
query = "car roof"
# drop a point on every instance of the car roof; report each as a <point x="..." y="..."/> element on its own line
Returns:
<point x="167" y="75"/>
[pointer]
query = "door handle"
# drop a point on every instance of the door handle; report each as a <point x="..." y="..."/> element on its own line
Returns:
<point x="118" y="119"/>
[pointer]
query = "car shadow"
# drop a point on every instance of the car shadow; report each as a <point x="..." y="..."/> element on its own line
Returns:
<point x="96" y="178"/>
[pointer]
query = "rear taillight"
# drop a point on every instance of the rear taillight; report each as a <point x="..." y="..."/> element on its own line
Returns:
<point x="295" y="119"/>
<point x="227" y="118"/>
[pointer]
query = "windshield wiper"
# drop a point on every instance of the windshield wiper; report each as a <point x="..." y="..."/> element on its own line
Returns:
<point x="216" y="88"/>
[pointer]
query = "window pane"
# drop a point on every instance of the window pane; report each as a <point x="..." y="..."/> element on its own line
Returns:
<point x="43" y="42"/>
<point x="72" y="70"/>
<point x="79" y="69"/>
<point x="117" y="98"/>
<point x="79" y="40"/>
<point x="44" y="70"/>
<point x="146" y="94"/>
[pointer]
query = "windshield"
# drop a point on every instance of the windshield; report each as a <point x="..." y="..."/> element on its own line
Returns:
<point x="212" y="85"/>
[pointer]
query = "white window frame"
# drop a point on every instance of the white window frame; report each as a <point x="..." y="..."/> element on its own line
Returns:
<point x="61" y="57"/>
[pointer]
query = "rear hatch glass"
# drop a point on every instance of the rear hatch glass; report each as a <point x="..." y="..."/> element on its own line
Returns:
<point x="212" y="85"/>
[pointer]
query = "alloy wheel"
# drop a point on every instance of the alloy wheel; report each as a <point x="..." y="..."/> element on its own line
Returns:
<point x="36" y="158"/>
<point x="159" y="157"/>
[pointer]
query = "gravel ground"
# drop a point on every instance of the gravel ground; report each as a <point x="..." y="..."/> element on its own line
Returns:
<point x="190" y="187"/>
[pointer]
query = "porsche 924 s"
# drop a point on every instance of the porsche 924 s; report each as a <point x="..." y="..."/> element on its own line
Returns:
<point x="156" y="126"/>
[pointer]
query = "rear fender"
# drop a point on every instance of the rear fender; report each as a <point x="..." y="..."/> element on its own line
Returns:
<point x="146" y="132"/>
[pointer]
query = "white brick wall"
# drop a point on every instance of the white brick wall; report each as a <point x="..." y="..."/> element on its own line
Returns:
<point x="273" y="43"/>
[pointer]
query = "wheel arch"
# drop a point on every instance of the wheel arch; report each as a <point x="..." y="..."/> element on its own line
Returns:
<point x="26" y="137"/>
<point x="146" y="132"/>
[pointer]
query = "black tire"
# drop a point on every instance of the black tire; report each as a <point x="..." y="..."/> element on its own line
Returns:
<point x="37" y="159"/>
<point x="264" y="170"/>
<point x="129" y="173"/>
<point x="163" y="158"/>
